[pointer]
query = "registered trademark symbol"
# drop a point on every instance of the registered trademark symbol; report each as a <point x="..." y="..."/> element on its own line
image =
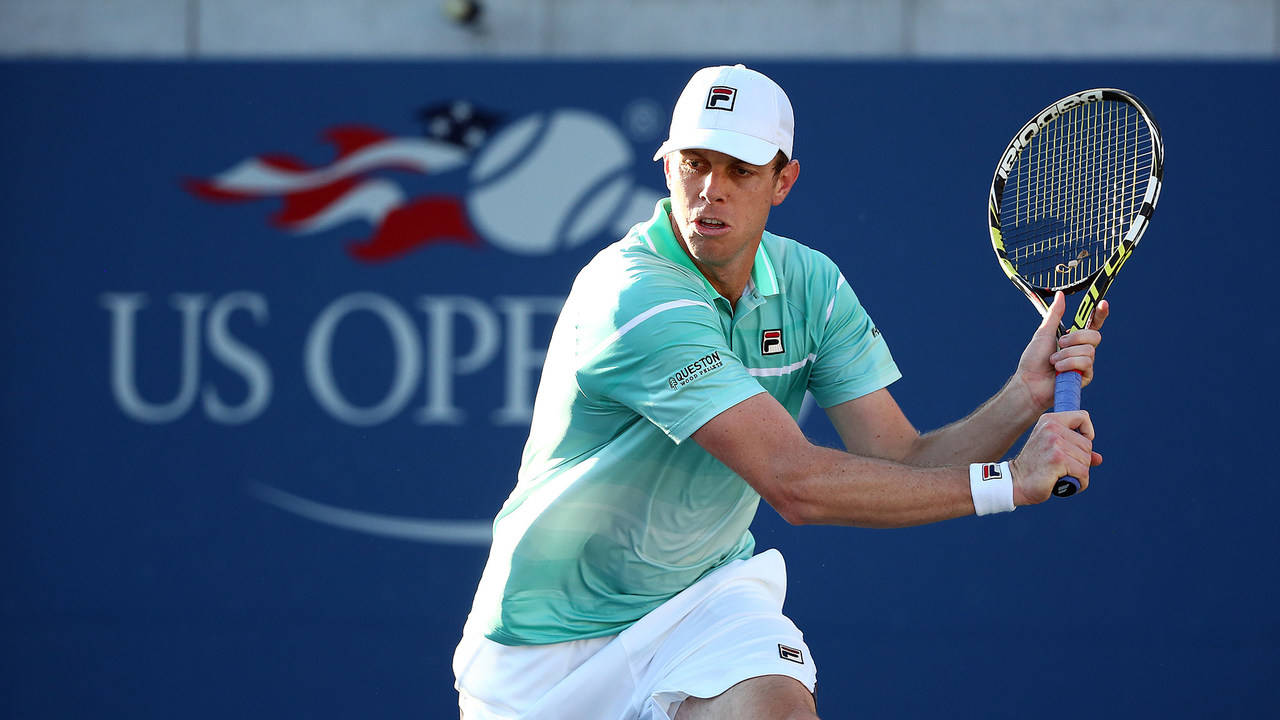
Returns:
<point x="644" y="119"/>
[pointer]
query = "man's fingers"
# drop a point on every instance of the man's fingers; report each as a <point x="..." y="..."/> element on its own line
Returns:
<point x="1075" y="454"/>
<point x="1074" y="351"/>
<point x="1079" y="359"/>
<point x="1066" y="424"/>
<point x="1090" y="337"/>
<point x="1079" y="471"/>
<point x="1061" y="444"/>
<point x="1099" y="315"/>
<point x="1054" y="316"/>
<point x="1082" y="448"/>
<point x="1078" y="463"/>
<point x="1049" y="323"/>
<point x="1077" y="420"/>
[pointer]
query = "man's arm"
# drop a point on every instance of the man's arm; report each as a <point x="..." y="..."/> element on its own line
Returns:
<point x="892" y="476"/>
<point x="875" y="426"/>
<point x="808" y="484"/>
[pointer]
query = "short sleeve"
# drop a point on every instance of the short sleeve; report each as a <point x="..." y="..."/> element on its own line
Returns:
<point x="852" y="358"/>
<point x="668" y="360"/>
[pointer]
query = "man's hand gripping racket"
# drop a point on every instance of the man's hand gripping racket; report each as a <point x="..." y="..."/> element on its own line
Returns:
<point x="1071" y="197"/>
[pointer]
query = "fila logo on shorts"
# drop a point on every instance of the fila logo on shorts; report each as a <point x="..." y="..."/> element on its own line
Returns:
<point x="771" y="342"/>
<point x="721" y="97"/>
<point x="790" y="653"/>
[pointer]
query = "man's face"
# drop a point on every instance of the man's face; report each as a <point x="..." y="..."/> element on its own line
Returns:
<point x="720" y="203"/>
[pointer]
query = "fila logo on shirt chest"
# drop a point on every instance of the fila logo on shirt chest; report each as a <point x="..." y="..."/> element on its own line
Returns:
<point x="721" y="98"/>
<point x="771" y="342"/>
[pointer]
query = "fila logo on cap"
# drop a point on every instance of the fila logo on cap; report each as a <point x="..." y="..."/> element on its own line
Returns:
<point x="721" y="97"/>
<point x="771" y="342"/>
<point x="790" y="653"/>
<point x="753" y="131"/>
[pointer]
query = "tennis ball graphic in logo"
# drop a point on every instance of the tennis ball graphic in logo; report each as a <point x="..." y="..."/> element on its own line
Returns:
<point x="550" y="181"/>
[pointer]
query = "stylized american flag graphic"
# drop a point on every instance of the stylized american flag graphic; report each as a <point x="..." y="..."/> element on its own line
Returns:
<point x="358" y="184"/>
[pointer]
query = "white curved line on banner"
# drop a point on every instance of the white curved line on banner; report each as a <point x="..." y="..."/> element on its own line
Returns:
<point x="254" y="176"/>
<point x="448" y="532"/>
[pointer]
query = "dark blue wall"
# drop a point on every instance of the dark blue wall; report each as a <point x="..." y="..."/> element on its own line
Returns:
<point x="204" y="565"/>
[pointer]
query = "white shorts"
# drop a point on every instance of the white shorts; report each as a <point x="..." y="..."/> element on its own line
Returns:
<point x="726" y="628"/>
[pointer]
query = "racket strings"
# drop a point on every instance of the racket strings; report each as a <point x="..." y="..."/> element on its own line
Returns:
<point x="1074" y="192"/>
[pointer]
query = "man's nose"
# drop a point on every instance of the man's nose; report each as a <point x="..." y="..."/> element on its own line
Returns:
<point x="715" y="186"/>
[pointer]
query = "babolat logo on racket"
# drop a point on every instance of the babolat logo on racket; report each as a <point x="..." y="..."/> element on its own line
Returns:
<point x="1109" y="269"/>
<point x="721" y="98"/>
<point x="1045" y="117"/>
<point x="771" y="342"/>
<point x="991" y="471"/>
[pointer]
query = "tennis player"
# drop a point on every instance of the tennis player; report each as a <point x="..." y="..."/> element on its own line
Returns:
<point x="622" y="581"/>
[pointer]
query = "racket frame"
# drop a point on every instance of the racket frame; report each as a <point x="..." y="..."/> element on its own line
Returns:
<point x="1099" y="280"/>
<point x="1067" y="386"/>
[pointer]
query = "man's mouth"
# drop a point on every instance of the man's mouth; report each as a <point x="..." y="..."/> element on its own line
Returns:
<point x="710" y="225"/>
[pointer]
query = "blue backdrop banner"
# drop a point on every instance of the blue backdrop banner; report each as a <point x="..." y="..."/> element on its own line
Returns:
<point x="273" y="333"/>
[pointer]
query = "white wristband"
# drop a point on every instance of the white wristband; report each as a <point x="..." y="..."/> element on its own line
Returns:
<point x="991" y="485"/>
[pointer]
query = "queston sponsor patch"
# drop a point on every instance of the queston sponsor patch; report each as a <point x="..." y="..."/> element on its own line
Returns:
<point x="698" y="368"/>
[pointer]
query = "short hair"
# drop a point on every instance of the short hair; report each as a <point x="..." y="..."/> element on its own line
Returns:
<point x="779" y="162"/>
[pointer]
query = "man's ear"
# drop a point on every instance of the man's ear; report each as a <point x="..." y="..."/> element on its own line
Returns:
<point x="786" y="180"/>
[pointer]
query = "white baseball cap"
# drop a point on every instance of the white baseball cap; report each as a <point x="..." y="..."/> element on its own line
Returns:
<point x="734" y="110"/>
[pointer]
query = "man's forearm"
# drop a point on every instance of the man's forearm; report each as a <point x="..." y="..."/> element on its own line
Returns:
<point x="836" y="488"/>
<point x="985" y="434"/>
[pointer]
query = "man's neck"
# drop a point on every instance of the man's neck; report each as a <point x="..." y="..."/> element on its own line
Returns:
<point x="729" y="280"/>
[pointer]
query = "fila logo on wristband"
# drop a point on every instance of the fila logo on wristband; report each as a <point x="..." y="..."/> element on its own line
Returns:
<point x="991" y="485"/>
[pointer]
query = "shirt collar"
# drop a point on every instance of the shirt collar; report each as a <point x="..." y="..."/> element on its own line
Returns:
<point x="663" y="241"/>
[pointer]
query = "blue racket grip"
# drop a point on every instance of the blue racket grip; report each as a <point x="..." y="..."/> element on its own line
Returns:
<point x="1066" y="396"/>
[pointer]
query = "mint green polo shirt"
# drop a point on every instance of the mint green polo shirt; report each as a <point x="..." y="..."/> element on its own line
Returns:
<point x="614" y="512"/>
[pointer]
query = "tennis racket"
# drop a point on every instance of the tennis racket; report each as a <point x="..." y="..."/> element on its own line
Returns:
<point x="1071" y="198"/>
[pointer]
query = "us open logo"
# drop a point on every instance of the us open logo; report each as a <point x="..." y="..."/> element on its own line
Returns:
<point x="721" y="98"/>
<point x="484" y="173"/>
<point x="771" y="342"/>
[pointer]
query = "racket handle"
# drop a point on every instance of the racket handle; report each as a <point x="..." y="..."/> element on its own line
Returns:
<point x="1066" y="396"/>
